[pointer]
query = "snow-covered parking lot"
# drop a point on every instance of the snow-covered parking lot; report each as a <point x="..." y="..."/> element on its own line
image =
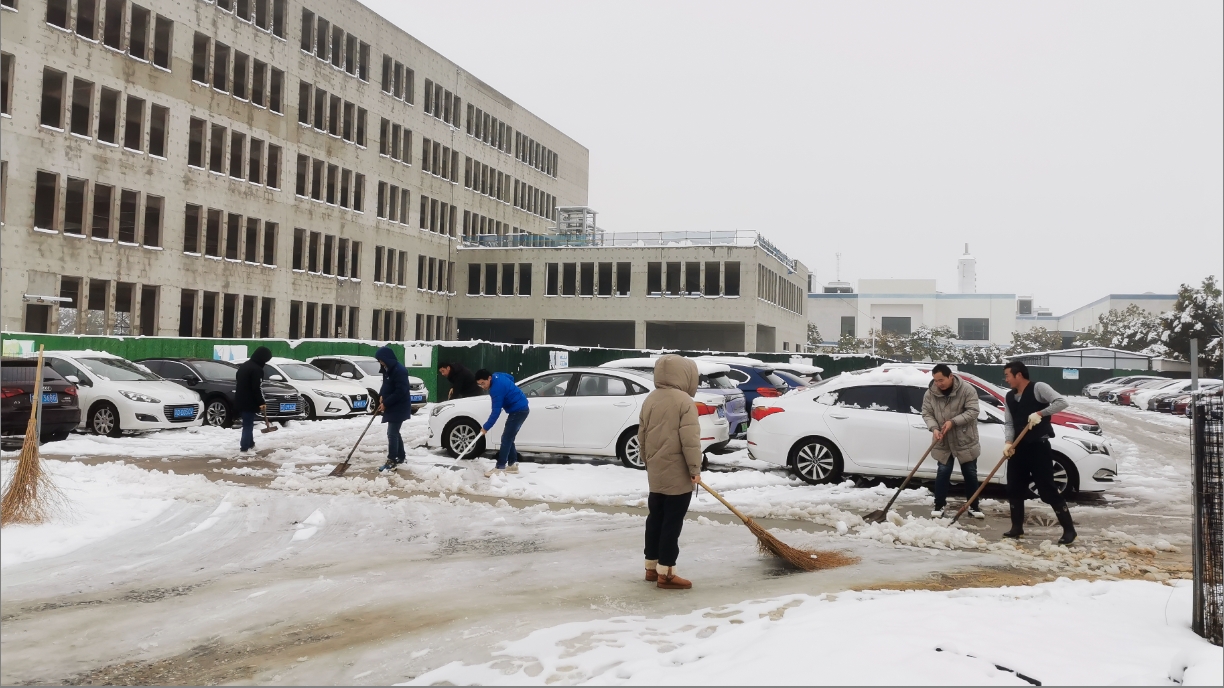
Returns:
<point x="177" y="562"/>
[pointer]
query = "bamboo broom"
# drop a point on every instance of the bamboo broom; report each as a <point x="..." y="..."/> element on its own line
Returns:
<point x="30" y="497"/>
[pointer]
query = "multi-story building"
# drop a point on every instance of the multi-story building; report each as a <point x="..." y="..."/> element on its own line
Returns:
<point x="290" y="168"/>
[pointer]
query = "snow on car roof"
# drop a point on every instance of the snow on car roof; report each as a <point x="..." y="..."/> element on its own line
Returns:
<point x="800" y="368"/>
<point x="880" y="376"/>
<point x="703" y="367"/>
<point x="346" y="357"/>
<point x="75" y="353"/>
<point x="735" y="360"/>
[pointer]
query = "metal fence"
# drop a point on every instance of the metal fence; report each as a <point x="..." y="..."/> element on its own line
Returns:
<point x="1207" y="431"/>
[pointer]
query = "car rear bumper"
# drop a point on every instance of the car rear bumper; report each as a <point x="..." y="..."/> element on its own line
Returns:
<point x="769" y="446"/>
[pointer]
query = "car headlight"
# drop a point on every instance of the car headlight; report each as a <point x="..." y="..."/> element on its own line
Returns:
<point x="1090" y="446"/>
<point x="437" y="410"/>
<point x="142" y="398"/>
<point x="323" y="393"/>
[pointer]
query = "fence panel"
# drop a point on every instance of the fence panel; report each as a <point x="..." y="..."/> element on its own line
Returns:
<point x="1207" y="433"/>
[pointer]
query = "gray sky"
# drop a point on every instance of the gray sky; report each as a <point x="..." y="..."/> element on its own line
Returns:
<point x="1077" y="146"/>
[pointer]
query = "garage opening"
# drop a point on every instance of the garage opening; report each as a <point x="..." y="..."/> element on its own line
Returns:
<point x="490" y="330"/>
<point x="767" y="338"/>
<point x="695" y="336"/>
<point x="610" y="334"/>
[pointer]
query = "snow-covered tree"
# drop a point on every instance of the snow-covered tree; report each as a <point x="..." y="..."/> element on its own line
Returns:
<point x="813" y="335"/>
<point x="982" y="355"/>
<point x="1036" y="339"/>
<point x="849" y="345"/>
<point x="1196" y="315"/>
<point x="1132" y="329"/>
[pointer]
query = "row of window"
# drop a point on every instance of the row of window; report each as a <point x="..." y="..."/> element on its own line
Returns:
<point x="257" y="12"/>
<point x="441" y="103"/>
<point x="685" y="278"/>
<point x="587" y="279"/>
<point x="255" y="161"/>
<point x="476" y="225"/>
<point x="308" y="320"/>
<point x="218" y="234"/>
<point x="332" y="44"/>
<point x="387" y="324"/>
<point x="98" y="210"/>
<point x="529" y="151"/>
<point x="486" y="180"/>
<point x="115" y="124"/>
<point x="435" y="275"/>
<point x="779" y="291"/>
<point x="331" y="114"/>
<point x="395" y="142"/>
<point x="397" y="80"/>
<point x="488" y="129"/>
<point x="250" y="80"/>
<point x="132" y="311"/>
<point x="331" y="184"/>
<point x="970" y="329"/>
<point x="326" y="254"/>
<point x="227" y="315"/>
<point x="505" y="285"/>
<point x="438" y="216"/>
<point x="433" y="328"/>
<point x="535" y="201"/>
<point x="439" y="160"/>
<point x="390" y="266"/>
<point x="144" y="36"/>
<point x="393" y="203"/>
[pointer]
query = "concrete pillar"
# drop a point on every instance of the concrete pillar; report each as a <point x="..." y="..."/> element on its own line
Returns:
<point x="539" y="331"/>
<point x="750" y="338"/>
<point x="639" y="334"/>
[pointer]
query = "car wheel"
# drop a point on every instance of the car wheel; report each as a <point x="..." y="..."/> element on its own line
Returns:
<point x="1066" y="478"/>
<point x="816" y="461"/>
<point x="459" y="435"/>
<point x="310" y="412"/>
<point x="217" y="413"/>
<point x="630" y="451"/>
<point x="372" y="407"/>
<point x="104" y="419"/>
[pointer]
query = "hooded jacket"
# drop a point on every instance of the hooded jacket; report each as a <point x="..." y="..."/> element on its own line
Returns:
<point x="395" y="393"/>
<point x="668" y="434"/>
<point x="959" y="405"/>
<point x="248" y="381"/>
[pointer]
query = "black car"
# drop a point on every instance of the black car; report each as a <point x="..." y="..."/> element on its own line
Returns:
<point x="214" y="381"/>
<point x="61" y="408"/>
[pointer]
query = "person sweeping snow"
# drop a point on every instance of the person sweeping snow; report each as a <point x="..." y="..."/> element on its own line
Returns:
<point x="1031" y="404"/>
<point x="248" y="394"/>
<point x="394" y="403"/>
<point x="670" y="441"/>
<point x="504" y="394"/>
<point x="950" y="411"/>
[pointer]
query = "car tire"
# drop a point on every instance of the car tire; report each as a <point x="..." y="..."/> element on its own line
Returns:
<point x="458" y="433"/>
<point x="816" y="461"/>
<point x="310" y="411"/>
<point x="372" y="407"/>
<point x="218" y="413"/>
<point x="104" y="419"/>
<point x="1066" y="478"/>
<point x="629" y="451"/>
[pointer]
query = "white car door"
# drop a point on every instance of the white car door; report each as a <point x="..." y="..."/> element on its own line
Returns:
<point x="866" y="423"/>
<point x="597" y="411"/>
<point x="547" y="397"/>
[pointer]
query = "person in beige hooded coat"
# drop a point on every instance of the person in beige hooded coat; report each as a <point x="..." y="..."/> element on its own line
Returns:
<point x="670" y="441"/>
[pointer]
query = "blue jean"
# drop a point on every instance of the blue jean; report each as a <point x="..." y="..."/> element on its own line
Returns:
<point x="248" y="431"/>
<point x="507" y="455"/>
<point x="395" y="443"/>
<point x="943" y="480"/>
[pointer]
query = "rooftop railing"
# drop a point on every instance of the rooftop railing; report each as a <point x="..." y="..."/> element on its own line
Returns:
<point x="741" y="238"/>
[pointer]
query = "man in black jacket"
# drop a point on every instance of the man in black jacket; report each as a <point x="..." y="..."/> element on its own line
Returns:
<point x="462" y="381"/>
<point x="248" y="394"/>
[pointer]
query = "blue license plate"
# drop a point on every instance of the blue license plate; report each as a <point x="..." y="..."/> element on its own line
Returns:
<point x="184" y="412"/>
<point x="288" y="408"/>
<point x="47" y="398"/>
<point x="722" y="413"/>
<point x="360" y="403"/>
<point x="418" y="397"/>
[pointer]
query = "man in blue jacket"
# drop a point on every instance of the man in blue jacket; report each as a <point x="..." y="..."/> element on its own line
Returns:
<point x="504" y="394"/>
<point x="394" y="403"/>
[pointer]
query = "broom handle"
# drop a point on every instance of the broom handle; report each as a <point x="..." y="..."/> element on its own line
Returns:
<point x="964" y="507"/>
<point x="725" y="503"/>
<point x="911" y="475"/>
<point x="363" y="433"/>
<point x="38" y="377"/>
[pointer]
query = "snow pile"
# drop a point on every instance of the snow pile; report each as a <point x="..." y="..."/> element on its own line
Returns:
<point x="1061" y="633"/>
<point x="913" y="531"/>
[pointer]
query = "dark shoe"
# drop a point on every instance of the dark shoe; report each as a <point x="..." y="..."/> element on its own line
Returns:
<point x="1064" y="520"/>
<point x="651" y="575"/>
<point x="1017" y="519"/>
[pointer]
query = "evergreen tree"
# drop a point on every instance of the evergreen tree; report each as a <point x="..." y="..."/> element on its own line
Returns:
<point x="1196" y="315"/>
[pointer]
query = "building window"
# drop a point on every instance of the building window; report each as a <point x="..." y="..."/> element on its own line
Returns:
<point x="6" y="83"/>
<point x="159" y="122"/>
<point x="895" y="325"/>
<point x="133" y="130"/>
<point x="112" y="28"/>
<point x="57" y="13"/>
<point x="712" y="286"/>
<point x="654" y="279"/>
<point x="199" y="58"/>
<point x="163" y="32"/>
<point x="45" y="192"/>
<point x="673" y="279"/>
<point x="129" y="201"/>
<point x="187" y="309"/>
<point x="74" y="206"/>
<point x="81" y="118"/>
<point x="108" y="116"/>
<point x="100" y="223"/>
<point x="191" y="230"/>
<point x="138" y="33"/>
<point x="847" y="326"/>
<point x="152" y="221"/>
<point x="569" y="279"/>
<point x="977" y="329"/>
<point x="52" y="98"/>
<point x="624" y="272"/>
<point x="490" y="285"/>
<point x="731" y="278"/>
<point x="551" y="280"/>
<point x="587" y="279"/>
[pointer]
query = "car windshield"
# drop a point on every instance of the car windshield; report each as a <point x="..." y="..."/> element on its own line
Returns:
<point x="302" y="371"/>
<point x="215" y="370"/>
<point x="717" y="381"/>
<point x="369" y="367"/>
<point x="18" y="373"/>
<point x="117" y="369"/>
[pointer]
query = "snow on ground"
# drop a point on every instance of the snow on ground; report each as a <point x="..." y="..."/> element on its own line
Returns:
<point x="1060" y="633"/>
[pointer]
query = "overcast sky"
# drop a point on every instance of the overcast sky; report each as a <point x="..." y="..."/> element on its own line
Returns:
<point x="1076" y="146"/>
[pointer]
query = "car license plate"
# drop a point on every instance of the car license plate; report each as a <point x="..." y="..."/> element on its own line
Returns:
<point x="47" y="398"/>
<point x="184" y="412"/>
<point x="418" y="397"/>
<point x="722" y="412"/>
<point x="743" y="427"/>
<point x="288" y="408"/>
<point x="359" y="403"/>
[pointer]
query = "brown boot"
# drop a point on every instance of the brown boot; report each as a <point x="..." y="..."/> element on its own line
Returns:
<point x="668" y="580"/>
<point x="652" y="573"/>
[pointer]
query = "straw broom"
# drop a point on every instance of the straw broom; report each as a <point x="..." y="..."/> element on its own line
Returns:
<point x="805" y="560"/>
<point x="30" y="497"/>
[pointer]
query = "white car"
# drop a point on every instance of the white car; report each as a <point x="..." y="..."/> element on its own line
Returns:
<point x="715" y="379"/>
<point x="117" y="394"/>
<point x="592" y="411"/>
<point x="367" y="371"/>
<point x="870" y="424"/>
<point x="808" y="373"/>
<point x="326" y="396"/>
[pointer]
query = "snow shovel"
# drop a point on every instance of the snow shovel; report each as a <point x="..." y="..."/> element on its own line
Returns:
<point x="339" y="470"/>
<point x="965" y="507"/>
<point x="879" y="515"/>
<point x="270" y="428"/>
<point x="464" y="455"/>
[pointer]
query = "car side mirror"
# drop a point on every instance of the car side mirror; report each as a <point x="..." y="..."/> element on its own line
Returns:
<point x="347" y="375"/>
<point x="73" y="379"/>
<point x="276" y="378"/>
<point x="191" y="380"/>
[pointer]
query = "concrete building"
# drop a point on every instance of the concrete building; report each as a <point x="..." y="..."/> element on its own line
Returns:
<point x="1085" y="317"/>
<point x="293" y="168"/>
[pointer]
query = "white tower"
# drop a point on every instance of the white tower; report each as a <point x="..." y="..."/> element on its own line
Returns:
<point x="966" y="267"/>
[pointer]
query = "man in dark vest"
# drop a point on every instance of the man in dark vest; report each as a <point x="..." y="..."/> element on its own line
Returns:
<point x="462" y="381"/>
<point x="1030" y="405"/>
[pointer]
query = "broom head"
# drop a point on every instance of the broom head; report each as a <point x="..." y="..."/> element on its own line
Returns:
<point x="802" y="559"/>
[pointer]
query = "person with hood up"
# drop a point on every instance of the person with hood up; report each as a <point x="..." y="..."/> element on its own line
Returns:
<point x="248" y="394"/>
<point x="950" y="410"/>
<point x="670" y="441"/>
<point x="394" y="403"/>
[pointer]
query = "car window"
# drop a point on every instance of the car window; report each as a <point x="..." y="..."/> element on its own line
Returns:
<point x="118" y="369"/>
<point x="988" y="398"/>
<point x="547" y="386"/>
<point x="343" y="367"/>
<point x="370" y="367"/>
<point x="774" y="379"/>
<point x="17" y="373"/>
<point x="591" y="385"/>
<point x="216" y="370"/>
<point x="64" y="368"/>
<point x="716" y="381"/>
<point x="302" y="371"/>
<point x="173" y="370"/>
<point x="155" y="366"/>
<point x="870" y="397"/>
<point x="325" y="364"/>
<point x="913" y="396"/>
<point x="739" y="376"/>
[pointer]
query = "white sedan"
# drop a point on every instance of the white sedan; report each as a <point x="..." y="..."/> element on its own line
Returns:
<point x="117" y="394"/>
<point x="368" y="371"/>
<point x="326" y="396"/>
<point x="870" y="424"/>
<point x="591" y="411"/>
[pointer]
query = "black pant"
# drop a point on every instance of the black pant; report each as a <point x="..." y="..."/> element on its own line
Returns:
<point x="1032" y="463"/>
<point x="663" y="526"/>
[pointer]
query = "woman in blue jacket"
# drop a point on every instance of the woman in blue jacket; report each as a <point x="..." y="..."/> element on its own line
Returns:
<point x="504" y="394"/>
<point x="394" y="403"/>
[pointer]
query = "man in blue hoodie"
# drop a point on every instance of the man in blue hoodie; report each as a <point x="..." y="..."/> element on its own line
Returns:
<point x="394" y="403"/>
<point x="504" y="394"/>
